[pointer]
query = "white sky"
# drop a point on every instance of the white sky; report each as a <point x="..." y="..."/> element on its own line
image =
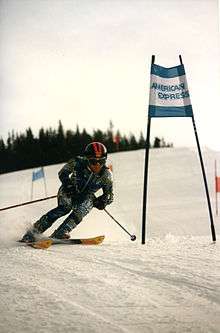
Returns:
<point x="88" y="62"/>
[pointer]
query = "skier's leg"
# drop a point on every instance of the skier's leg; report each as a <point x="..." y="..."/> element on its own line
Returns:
<point x="64" y="229"/>
<point x="46" y="221"/>
<point x="75" y="217"/>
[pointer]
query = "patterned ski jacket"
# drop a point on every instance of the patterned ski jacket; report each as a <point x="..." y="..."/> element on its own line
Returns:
<point x="85" y="182"/>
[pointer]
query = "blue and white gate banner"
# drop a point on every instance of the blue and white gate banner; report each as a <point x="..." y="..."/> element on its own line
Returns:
<point x="38" y="174"/>
<point x="169" y="94"/>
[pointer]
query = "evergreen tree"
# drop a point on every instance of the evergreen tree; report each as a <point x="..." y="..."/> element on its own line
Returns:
<point x="98" y="135"/>
<point x="85" y="139"/>
<point x="3" y="155"/>
<point x="156" y="143"/>
<point x="133" y="142"/>
<point x="141" y="142"/>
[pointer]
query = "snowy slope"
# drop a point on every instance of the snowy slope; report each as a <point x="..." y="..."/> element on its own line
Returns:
<point x="171" y="284"/>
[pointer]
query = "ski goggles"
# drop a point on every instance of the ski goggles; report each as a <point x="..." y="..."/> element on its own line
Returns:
<point x="94" y="161"/>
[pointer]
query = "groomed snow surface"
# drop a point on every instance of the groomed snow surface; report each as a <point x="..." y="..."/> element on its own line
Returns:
<point x="170" y="284"/>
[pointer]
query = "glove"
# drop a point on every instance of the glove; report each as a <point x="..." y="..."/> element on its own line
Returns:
<point x="99" y="204"/>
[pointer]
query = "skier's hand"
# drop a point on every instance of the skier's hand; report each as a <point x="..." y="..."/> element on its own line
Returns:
<point x="99" y="204"/>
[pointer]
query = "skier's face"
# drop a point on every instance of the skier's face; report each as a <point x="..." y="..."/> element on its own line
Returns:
<point x="96" y="164"/>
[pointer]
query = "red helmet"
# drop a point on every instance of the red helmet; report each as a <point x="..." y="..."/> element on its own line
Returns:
<point x="95" y="150"/>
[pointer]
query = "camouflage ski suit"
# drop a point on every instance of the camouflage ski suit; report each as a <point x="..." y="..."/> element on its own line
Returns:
<point x="81" y="198"/>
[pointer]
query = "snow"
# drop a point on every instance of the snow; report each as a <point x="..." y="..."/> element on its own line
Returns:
<point x="170" y="284"/>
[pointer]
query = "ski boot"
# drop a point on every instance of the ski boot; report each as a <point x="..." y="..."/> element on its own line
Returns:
<point x="59" y="234"/>
<point x="62" y="232"/>
<point x="36" y="230"/>
<point x="29" y="236"/>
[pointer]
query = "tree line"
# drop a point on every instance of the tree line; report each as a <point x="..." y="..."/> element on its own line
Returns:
<point x="52" y="146"/>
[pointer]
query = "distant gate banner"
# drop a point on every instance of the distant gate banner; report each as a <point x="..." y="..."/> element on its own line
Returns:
<point x="38" y="174"/>
<point x="169" y="94"/>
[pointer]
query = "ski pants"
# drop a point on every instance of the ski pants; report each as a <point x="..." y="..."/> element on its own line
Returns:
<point x="77" y="209"/>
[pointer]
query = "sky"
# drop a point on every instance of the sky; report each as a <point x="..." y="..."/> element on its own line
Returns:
<point x="88" y="62"/>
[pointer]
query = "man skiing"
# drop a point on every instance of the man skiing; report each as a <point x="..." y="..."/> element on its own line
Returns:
<point x="81" y="178"/>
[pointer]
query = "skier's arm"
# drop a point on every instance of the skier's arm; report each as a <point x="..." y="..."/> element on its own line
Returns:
<point x="107" y="197"/>
<point x="64" y="175"/>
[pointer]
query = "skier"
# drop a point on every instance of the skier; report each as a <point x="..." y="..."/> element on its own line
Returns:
<point x="81" y="178"/>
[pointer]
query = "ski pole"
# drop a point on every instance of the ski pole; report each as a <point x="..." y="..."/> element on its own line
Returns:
<point x="133" y="237"/>
<point x="28" y="202"/>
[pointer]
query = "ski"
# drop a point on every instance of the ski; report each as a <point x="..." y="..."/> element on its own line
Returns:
<point x="46" y="243"/>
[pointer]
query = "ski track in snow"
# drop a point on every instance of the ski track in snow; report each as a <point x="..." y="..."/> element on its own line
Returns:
<point x="110" y="289"/>
<point x="52" y="280"/>
<point x="169" y="285"/>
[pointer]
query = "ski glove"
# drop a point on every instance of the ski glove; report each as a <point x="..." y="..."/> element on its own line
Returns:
<point x="99" y="204"/>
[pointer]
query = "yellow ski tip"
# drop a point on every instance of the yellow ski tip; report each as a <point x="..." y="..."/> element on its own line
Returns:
<point x="42" y="244"/>
<point x="93" y="241"/>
